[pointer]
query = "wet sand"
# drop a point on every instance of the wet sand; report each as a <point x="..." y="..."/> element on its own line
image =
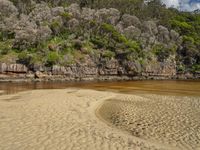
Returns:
<point x="1" y="91"/>
<point x="86" y="119"/>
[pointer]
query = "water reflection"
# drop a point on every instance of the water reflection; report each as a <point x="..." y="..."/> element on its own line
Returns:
<point x="153" y="87"/>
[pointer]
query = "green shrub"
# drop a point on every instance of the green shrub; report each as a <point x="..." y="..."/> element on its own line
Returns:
<point x="132" y="46"/>
<point x="66" y="16"/>
<point x="196" y="68"/>
<point x="55" y="24"/>
<point x="24" y="57"/>
<point x="118" y="37"/>
<point x="56" y="27"/>
<point x="108" y="54"/>
<point x="67" y="50"/>
<point x="108" y="28"/>
<point x="5" y="46"/>
<point x="52" y="58"/>
<point x="77" y="44"/>
<point x="188" y="39"/>
<point x="181" y="68"/>
<point x="93" y="23"/>
<point x="181" y="26"/>
<point x="100" y="42"/>
<point x="9" y="57"/>
<point x="78" y="55"/>
<point x="162" y="52"/>
<point x="1" y="36"/>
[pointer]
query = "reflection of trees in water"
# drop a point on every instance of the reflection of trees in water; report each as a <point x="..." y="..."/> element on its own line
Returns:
<point x="131" y="87"/>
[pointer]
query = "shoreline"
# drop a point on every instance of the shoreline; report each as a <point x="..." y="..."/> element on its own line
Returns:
<point x="99" y="79"/>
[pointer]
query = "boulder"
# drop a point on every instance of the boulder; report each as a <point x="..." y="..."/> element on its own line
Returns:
<point x="89" y="70"/>
<point x="3" y="67"/>
<point x="58" y="70"/>
<point x="15" y="68"/>
<point x="111" y="64"/>
<point x="40" y="75"/>
<point x="132" y="68"/>
<point x="40" y="67"/>
<point x="108" y="72"/>
<point x="69" y="71"/>
<point x="165" y="69"/>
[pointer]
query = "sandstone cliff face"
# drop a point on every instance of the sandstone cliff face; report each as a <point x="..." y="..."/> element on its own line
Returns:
<point x="13" y="68"/>
<point x="105" y="70"/>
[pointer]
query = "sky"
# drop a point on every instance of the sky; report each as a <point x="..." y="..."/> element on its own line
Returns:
<point x="185" y="5"/>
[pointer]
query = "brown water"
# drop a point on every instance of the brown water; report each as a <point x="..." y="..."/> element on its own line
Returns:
<point x="186" y="88"/>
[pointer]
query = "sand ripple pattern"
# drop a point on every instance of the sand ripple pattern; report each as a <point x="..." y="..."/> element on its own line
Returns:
<point x="167" y="120"/>
<point x="61" y="120"/>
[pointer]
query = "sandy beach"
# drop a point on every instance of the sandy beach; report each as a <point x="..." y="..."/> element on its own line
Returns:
<point x="95" y="120"/>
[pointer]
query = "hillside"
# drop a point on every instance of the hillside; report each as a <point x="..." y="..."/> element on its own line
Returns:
<point x="87" y="40"/>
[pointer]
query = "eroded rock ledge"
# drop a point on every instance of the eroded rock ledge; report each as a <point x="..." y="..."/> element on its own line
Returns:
<point x="104" y="70"/>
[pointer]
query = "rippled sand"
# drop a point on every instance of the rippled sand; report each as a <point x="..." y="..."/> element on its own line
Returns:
<point x="168" y="120"/>
<point x="67" y="119"/>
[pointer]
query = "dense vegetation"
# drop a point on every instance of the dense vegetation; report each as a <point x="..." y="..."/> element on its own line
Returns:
<point x="67" y="46"/>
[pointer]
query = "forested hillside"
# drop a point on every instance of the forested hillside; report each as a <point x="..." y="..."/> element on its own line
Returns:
<point x="84" y="38"/>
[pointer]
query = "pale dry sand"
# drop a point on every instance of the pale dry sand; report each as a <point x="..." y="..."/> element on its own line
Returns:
<point x="67" y="119"/>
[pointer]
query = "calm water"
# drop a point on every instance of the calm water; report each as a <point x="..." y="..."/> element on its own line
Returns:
<point x="153" y="87"/>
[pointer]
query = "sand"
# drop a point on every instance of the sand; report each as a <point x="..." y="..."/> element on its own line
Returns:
<point x="168" y="120"/>
<point x="1" y="92"/>
<point x="93" y="120"/>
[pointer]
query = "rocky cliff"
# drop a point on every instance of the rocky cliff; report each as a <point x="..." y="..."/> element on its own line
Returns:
<point x="120" y="46"/>
<point x="105" y="70"/>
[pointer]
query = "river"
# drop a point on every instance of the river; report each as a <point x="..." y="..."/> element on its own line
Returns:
<point x="164" y="87"/>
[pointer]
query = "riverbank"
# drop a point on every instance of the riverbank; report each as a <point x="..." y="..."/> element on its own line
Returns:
<point x="110" y="70"/>
<point x="66" y="119"/>
<point x="61" y="78"/>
